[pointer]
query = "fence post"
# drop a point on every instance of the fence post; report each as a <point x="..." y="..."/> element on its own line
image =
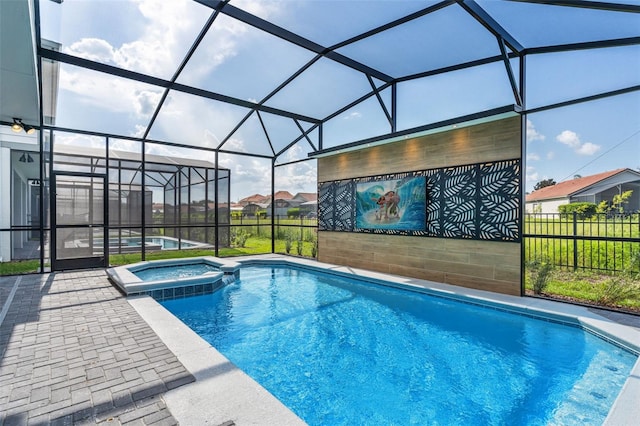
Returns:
<point x="575" y="241"/>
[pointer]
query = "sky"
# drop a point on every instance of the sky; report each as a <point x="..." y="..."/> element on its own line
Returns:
<point x="234" y="59"/>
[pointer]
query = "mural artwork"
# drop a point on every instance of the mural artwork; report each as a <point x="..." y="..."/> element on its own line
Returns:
<point x="394" y="204"/>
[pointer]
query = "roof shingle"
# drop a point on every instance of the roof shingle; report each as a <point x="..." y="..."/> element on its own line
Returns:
<point x="569" y="187"/>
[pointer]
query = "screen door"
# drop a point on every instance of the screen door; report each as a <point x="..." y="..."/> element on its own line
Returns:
<point x="78" y="221"/>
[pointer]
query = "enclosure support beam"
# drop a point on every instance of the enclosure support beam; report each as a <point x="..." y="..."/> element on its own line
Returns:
<point x="273" y="205"/>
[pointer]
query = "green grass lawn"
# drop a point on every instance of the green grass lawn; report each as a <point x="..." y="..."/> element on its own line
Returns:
<point x="588" y="288"/>
<point x="253" y="245"/>
<point x="19" y="267"/>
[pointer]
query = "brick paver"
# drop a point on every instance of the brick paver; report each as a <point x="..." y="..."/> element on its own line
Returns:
<point x="73" y="351"/>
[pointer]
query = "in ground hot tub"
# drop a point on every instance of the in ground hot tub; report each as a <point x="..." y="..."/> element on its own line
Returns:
<point x="171" y="278"/>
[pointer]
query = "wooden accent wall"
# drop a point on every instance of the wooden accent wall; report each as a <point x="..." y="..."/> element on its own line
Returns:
<point x="486" y="265"/>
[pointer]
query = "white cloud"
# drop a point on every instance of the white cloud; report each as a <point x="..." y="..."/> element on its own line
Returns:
<point x="298" y="177"/>
<point x="166" y="30"/>
<point x="293" y="153"/>
<point x="249" y="175"/>
<point x="145" y="102"/>
<point x="569" y="138"/>
<point x="79" y="140"/>
<point x="196" y="121"/>
<point x="588" y="148"/>
<point x="352" y="115"/>
<point x="532" y="174"/>
<point x="110" y="93"/>
<point x="572" y="140"/>
<point x="551" y="155"/>
<point x="93" y="49"/>
<point x="533" y="156"/>
<point x="532" y="133"/>
<point x="235" y="144"/>
<point x="162" y="43"/>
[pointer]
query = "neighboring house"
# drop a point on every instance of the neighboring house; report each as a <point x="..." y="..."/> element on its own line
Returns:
<point x="306" y="196"/>
<point x="158" y="207"/>
<point x="252" y="209"/>
<point x="237" y="208"/>
<point x="307" y="201"/>
<point x="282" y="206"/>
<point x="280" y="195"/>
<point x="591" y="189"/>
<point x="309" y="209"/>
<point x="254" y="199"/>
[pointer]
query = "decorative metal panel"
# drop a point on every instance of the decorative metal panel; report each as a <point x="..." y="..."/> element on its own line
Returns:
<point x="336" y="205"/>
<point x="458" y="203"/>
<point x="499" y="201"/>
<point x="326" y="206"/>
<point x="434" y="201"/>
<point x="344" y="213"/>
<point x="475" y="201"/>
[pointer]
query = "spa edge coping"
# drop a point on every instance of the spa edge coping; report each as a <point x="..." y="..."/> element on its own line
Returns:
<point x="130" y="284"/>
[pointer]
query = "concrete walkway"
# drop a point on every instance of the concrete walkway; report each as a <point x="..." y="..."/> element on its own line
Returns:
<point x="74" y="351"/>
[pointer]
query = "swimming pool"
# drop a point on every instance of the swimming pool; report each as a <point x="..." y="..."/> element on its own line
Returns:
<point x="306" y="339"/>
<point x="153" y="243"/>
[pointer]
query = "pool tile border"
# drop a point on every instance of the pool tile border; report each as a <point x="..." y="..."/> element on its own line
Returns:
<point x="125" y="279"/>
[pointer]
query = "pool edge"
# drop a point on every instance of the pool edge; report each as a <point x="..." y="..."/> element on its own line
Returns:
<point x="222" y="393"/>
<point x="124" y="278"/>
<point x="623" y="410"/>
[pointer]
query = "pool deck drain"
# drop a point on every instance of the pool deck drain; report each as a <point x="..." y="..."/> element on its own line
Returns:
<point x="74" y="350"/>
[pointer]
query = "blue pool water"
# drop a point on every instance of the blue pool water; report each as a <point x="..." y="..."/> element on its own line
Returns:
<point x="164" y="243"/>
<point x="174" y="271"/>
<point x="339" y="351"/>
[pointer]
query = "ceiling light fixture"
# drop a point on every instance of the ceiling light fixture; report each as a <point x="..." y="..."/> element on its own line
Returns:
<point x="29" y="129"/>
<point x="18" y="125"/>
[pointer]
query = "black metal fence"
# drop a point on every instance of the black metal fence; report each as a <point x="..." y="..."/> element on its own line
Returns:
<point x="608" y="243"/>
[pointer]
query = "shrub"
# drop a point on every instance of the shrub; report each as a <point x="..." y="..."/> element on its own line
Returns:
<point x="583" y="210"/>
<point x="293" y="212"/>
<point x="633" y="271"/>
<point x="612" y="291"/>
<point x="314" y="248"/>
<point x="287" y="244"/>
<point x="299" y="247"/>
<point x="603" y="207"/>
<point x="540" y="273"/>
<point x="240" y="238"/>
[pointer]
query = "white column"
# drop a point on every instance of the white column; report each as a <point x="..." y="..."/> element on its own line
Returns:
<point x="5" y="205"/>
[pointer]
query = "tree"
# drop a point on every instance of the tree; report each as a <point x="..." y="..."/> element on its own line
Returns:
<point x="620" y="201"/>
<point x="617" y="204"/>
<point x="543" y="183"/>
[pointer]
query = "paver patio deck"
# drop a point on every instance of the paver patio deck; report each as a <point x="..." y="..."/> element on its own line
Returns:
<point x="74" y="351"/>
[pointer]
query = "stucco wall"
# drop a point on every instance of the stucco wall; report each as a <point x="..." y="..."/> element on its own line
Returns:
<point x="546" y="206"/>
<point x="488" y="265"/>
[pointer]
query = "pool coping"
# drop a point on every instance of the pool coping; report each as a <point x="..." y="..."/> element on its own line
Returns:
<point x="125" y="279"/>
<point x="238" y="398"/>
